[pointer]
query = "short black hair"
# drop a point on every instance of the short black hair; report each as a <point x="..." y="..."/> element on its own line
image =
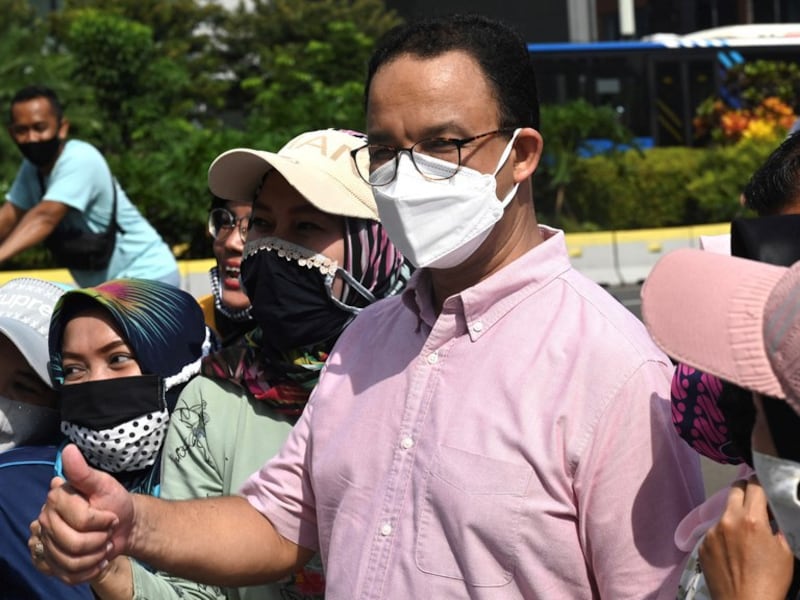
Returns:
<point x="775" y="185"/>
<point x="32" y="92"/>
<point x="499" y="50"/>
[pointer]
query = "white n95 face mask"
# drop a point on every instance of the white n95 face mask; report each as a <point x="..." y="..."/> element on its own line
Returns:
<point x="780" y="477"/>
<point x="440" y="223"/>
<point x="23" y="423"/>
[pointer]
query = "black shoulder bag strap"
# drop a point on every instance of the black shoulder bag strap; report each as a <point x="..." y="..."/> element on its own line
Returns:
<point x="113" y="224"/>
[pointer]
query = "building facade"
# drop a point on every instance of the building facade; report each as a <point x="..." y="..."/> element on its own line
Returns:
<point x="599" y="20"/>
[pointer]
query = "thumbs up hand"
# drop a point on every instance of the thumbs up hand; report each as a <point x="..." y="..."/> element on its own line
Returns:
<point x="85" y="522"/>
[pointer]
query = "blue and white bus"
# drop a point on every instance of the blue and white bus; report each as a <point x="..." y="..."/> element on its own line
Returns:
<point x="656" y="83"/>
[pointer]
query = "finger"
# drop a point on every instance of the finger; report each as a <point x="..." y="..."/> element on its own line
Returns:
<point x="36" y="548"/>
<point x="755" y="500"/>
<point x="64" y="537"/>
<point x="38" y="555"/>
<point x="35" y="527"/>
<point x="65" y="504"/>
<point x="736" y="495"/>
<point x="72" y="567"/>
<point x="79" y="474"/>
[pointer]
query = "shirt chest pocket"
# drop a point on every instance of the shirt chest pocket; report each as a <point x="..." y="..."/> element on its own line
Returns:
<point x="468" y="524"/>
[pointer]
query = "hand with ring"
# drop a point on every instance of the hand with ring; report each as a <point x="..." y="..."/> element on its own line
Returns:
<point x="36" y="547"/>
<point x="78" y="531"/>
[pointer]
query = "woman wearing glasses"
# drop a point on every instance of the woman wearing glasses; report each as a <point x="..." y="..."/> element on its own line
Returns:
<point x="227" y="307"/>
<point x="315" y="255"/>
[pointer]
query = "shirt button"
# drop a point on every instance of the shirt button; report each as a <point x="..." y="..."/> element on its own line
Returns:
<point x="477" y="327"/>
<point x="386" y="529"/>
<point x="407" y="443"/>
<point x="433" y="358"/>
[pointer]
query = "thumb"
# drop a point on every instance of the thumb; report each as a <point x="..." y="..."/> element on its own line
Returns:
<point x="83" y="478"/>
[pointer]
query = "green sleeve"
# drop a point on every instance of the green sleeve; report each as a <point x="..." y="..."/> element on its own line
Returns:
<point x="160" y="586"/>
<point x="187" y="471"/>
<point x="217" y="437"/>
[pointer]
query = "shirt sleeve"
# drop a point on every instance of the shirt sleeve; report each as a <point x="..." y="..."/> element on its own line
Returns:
<point x="80" y="178"/>
<point x="281" y="490"/>
<point x="26" y="190"/>
<point x="148" y="585"/>
<point x="635" y="482"/>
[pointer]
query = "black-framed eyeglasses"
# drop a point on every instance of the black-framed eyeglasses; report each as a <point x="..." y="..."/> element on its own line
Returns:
<point x="221" y="222"/>
<point x="381" y="161"/>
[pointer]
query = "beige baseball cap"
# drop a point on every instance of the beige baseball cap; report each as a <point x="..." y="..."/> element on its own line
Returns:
<point x="316" y="163"/>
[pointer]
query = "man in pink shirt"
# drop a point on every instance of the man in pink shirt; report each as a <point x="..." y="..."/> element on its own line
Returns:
<point x="500" y="431"/>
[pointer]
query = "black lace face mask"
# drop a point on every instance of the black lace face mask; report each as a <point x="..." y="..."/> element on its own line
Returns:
<point x="290" y="291"/>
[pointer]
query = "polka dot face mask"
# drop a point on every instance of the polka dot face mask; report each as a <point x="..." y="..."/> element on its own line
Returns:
<point x="118" y="424"/>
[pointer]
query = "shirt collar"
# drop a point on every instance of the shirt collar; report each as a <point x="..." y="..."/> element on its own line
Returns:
<point x="485" y="303"/>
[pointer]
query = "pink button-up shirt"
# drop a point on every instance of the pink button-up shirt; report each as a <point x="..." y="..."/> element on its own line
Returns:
<point x="517" y="445"/>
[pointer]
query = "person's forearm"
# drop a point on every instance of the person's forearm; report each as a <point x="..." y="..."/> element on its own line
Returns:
<point x="219" y="541"/>
<point x="28" y="233"/>
<point x="116" y="582"/>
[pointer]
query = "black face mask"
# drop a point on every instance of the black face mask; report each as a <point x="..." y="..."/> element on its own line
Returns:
<point x="118" y="424"/>
<point x="108" y="402"/>
<point x="41" y="153"/>
<point x="290" y="302"/>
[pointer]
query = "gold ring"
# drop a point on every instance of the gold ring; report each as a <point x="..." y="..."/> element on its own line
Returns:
<point x="38" y="550"/>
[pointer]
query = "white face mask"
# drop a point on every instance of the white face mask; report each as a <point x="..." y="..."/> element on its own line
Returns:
<point x="780" y="477"/>
<point x="440" y="223"/>
<point x="23" y="423"/>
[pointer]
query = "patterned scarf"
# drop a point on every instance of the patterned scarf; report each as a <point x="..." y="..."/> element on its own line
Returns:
<point x="285" y="382"/>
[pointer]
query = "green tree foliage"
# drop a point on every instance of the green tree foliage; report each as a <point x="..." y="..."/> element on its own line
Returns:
<point x="295" y="93"/>
<point x="25" y="56"/>
<point x="164" y="86"/>
<point x="566" y="129"/>
<point x="116" y="59"/>
<point x="303" y="62"/>
<point x="183" y="32"/>
<point x="663" y="187"/>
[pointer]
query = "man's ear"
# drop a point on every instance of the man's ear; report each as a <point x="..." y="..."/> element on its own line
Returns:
<point x="527" y="152"/>
<point x="63" y="129"/>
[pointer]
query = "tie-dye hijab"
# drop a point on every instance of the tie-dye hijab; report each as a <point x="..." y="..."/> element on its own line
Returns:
<point x="286" y="381"/>
<point x="165" y="329"/>
<point x="162" y="324"/>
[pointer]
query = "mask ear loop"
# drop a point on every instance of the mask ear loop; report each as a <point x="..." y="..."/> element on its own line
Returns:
<point x="506" y="152"/>
<point x="266" y="244"/>
<point x="353" y="283"/>
<point x="503" y="158"/>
